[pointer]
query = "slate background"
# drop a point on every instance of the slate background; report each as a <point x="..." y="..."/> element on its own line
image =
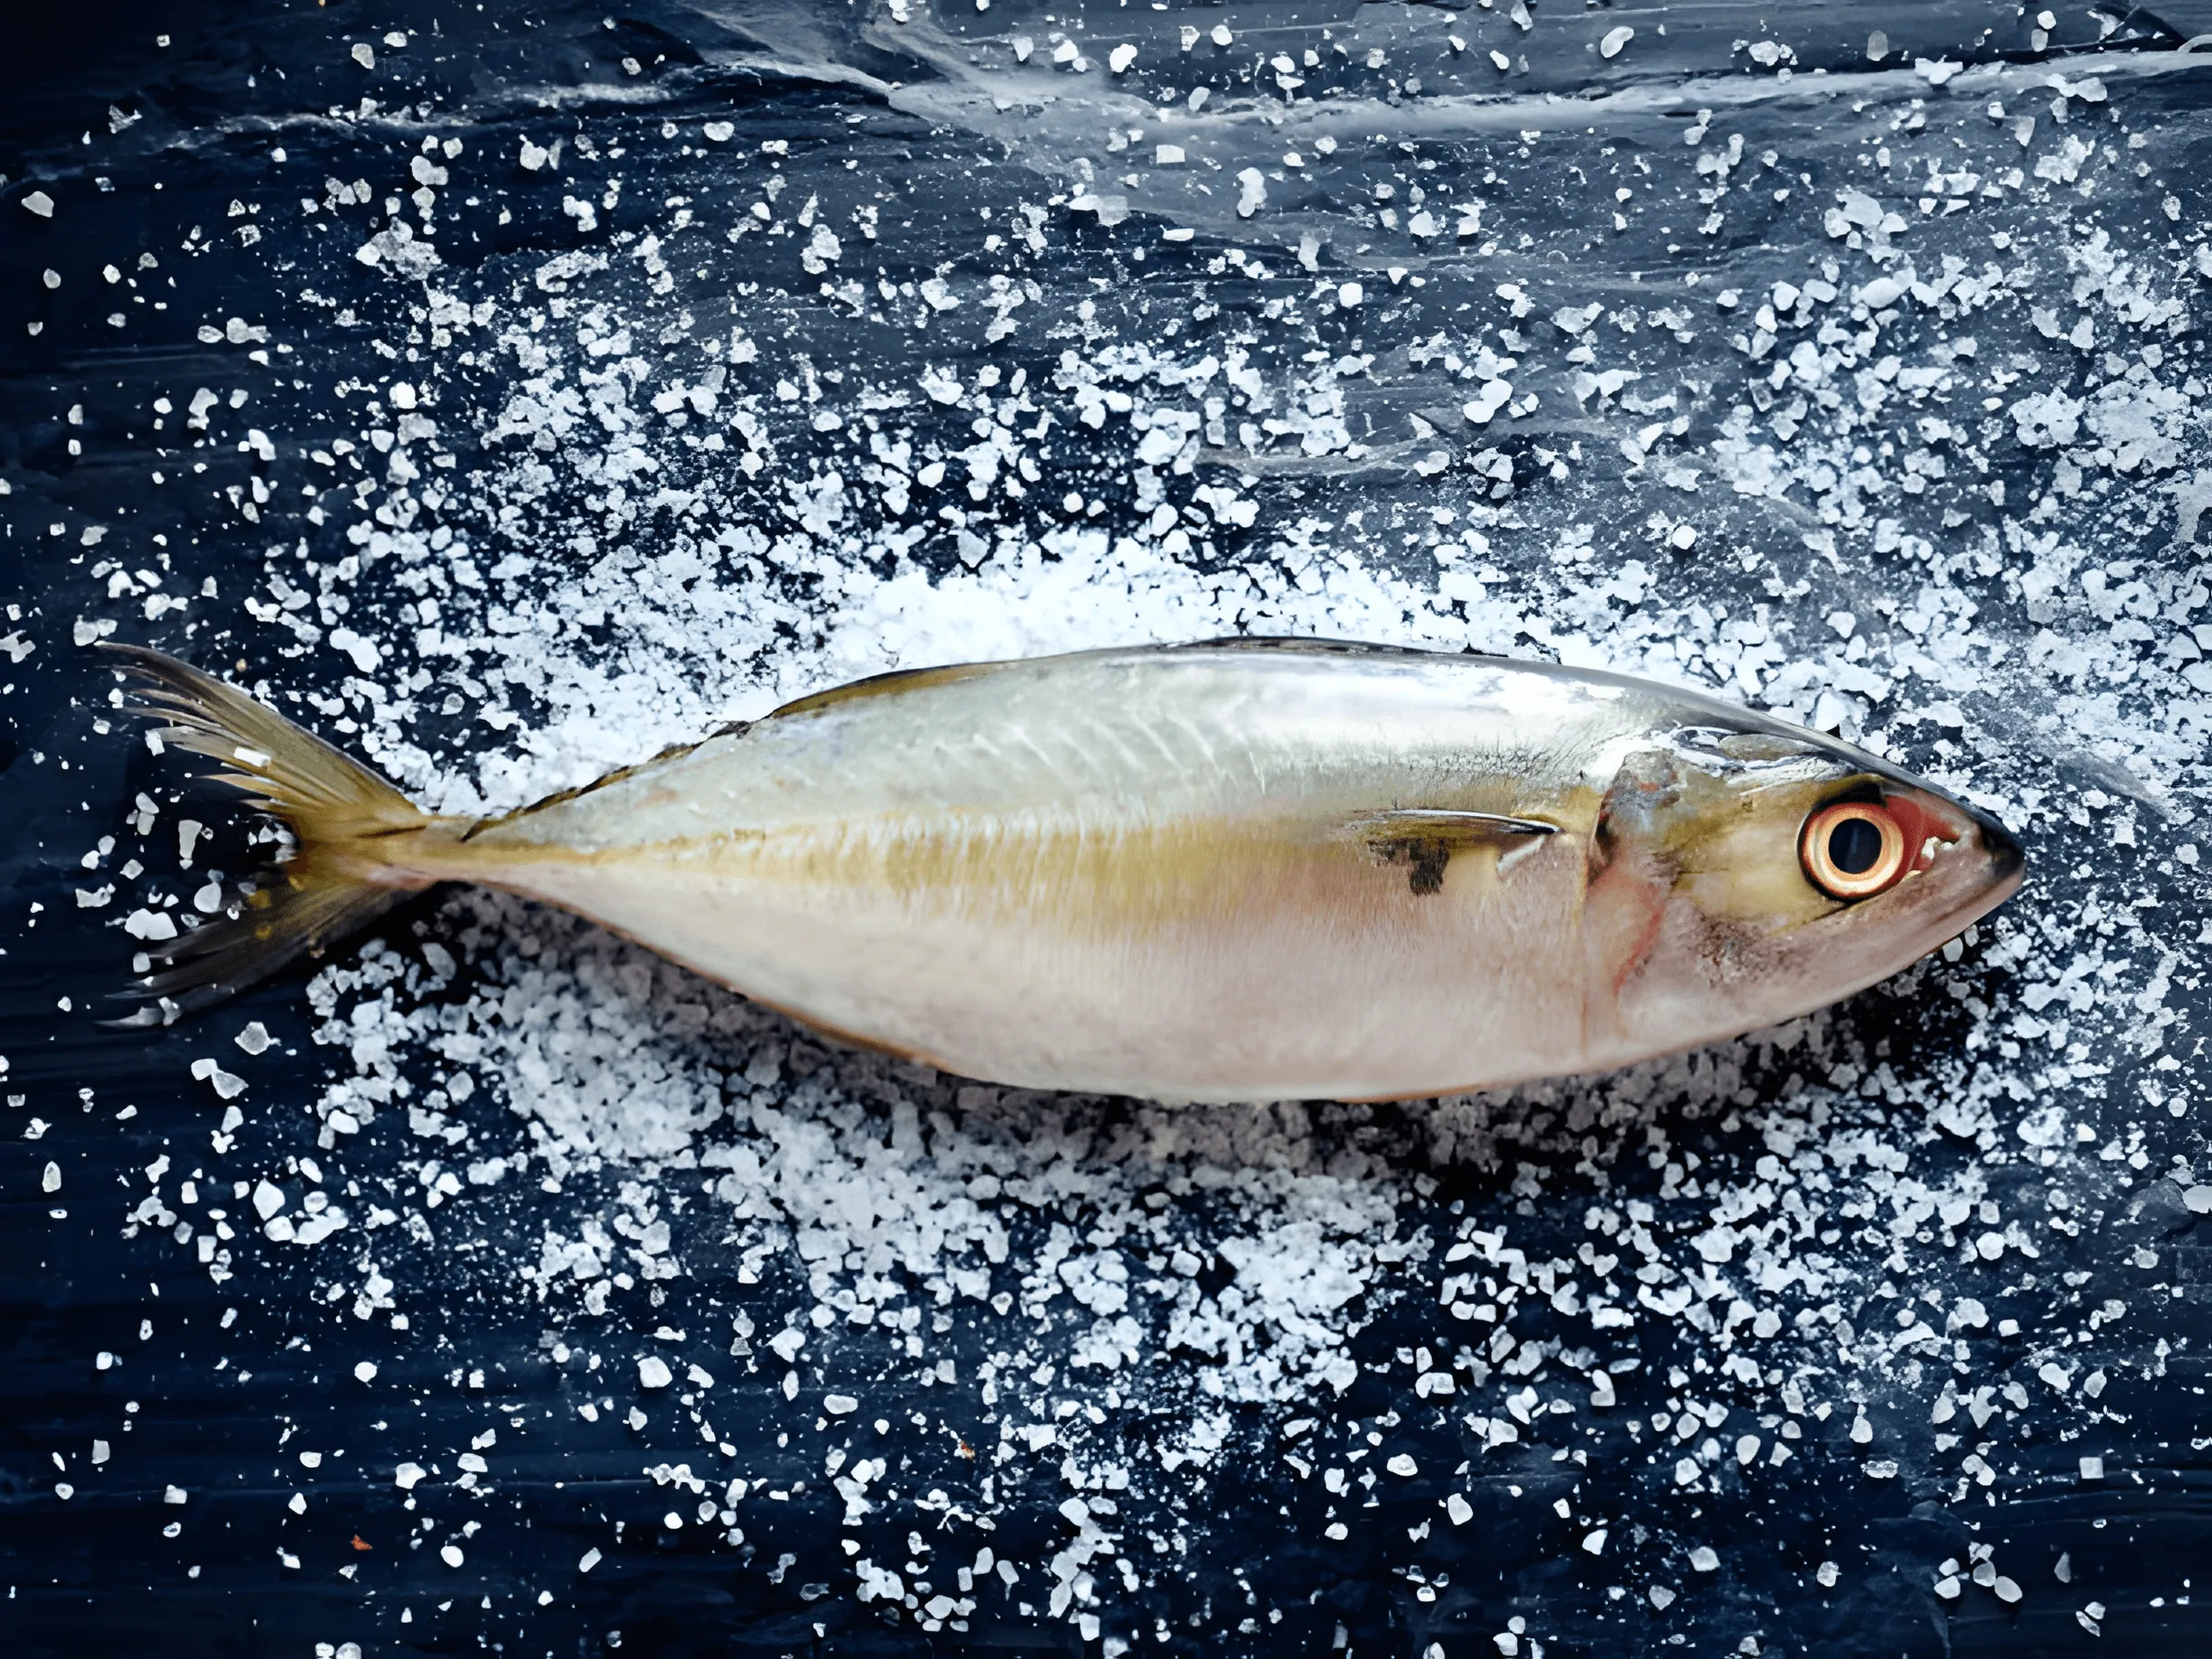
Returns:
<point x="93" y="1572"/>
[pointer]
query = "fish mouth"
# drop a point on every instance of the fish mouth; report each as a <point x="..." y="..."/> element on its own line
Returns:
<point x="1992" y="863"/>
<point x="2008" y="861"/>
<point x="2004" y="861"/>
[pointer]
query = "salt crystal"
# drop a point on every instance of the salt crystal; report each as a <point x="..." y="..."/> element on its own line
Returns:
<point x="722" y="1085"/>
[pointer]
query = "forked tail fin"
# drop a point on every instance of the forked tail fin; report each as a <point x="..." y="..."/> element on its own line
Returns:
<point x="338" y="810"/>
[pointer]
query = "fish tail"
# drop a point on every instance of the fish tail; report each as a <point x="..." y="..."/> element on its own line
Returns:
<point x="352" y="831"/>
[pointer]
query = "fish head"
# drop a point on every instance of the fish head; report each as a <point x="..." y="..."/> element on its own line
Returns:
<point x="1743" y="871"/>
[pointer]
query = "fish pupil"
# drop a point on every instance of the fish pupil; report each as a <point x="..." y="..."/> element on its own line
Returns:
<point x="1853" y="846"/>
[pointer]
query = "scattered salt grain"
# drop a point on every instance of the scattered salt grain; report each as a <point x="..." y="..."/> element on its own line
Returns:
<point x="150" y="925"/>
<point x="682" y="1072"/>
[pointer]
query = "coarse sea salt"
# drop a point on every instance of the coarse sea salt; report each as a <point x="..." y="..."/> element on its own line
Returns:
<point x="678" y="520"/>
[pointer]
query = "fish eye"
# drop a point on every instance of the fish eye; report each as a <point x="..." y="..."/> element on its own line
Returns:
<point x="1853" y="850"/>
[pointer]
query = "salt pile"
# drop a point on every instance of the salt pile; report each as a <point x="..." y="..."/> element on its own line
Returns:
<point x="593" y="502"/>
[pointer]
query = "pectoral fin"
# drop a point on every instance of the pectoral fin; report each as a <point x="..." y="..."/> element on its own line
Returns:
<point x="1425" y="838"/>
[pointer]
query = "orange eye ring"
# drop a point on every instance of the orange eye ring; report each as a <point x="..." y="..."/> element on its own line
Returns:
<point x="1844" y="859"/>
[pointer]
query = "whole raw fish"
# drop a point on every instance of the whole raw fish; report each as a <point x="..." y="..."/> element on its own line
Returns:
<point x="1242" y="870"/>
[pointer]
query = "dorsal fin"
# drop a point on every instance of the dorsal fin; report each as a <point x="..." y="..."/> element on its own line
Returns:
<point x="913" y="679"/>
<point x="1424" y="839"/>
<point x="1290" y="644"/>
<point x="1301" y="646"/>
<point x="884" y="685"/>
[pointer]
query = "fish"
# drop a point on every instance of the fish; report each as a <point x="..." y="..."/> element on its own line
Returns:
<point x="1235" y="870"/>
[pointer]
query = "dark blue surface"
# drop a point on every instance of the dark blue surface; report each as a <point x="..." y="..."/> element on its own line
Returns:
<point x="231" y="1380"/>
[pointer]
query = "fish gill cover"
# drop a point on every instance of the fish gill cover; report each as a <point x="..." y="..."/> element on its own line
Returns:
<point x="505" y="419"/>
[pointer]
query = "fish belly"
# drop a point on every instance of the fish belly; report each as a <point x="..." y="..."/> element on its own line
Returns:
<point x="1188" y="963"/>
